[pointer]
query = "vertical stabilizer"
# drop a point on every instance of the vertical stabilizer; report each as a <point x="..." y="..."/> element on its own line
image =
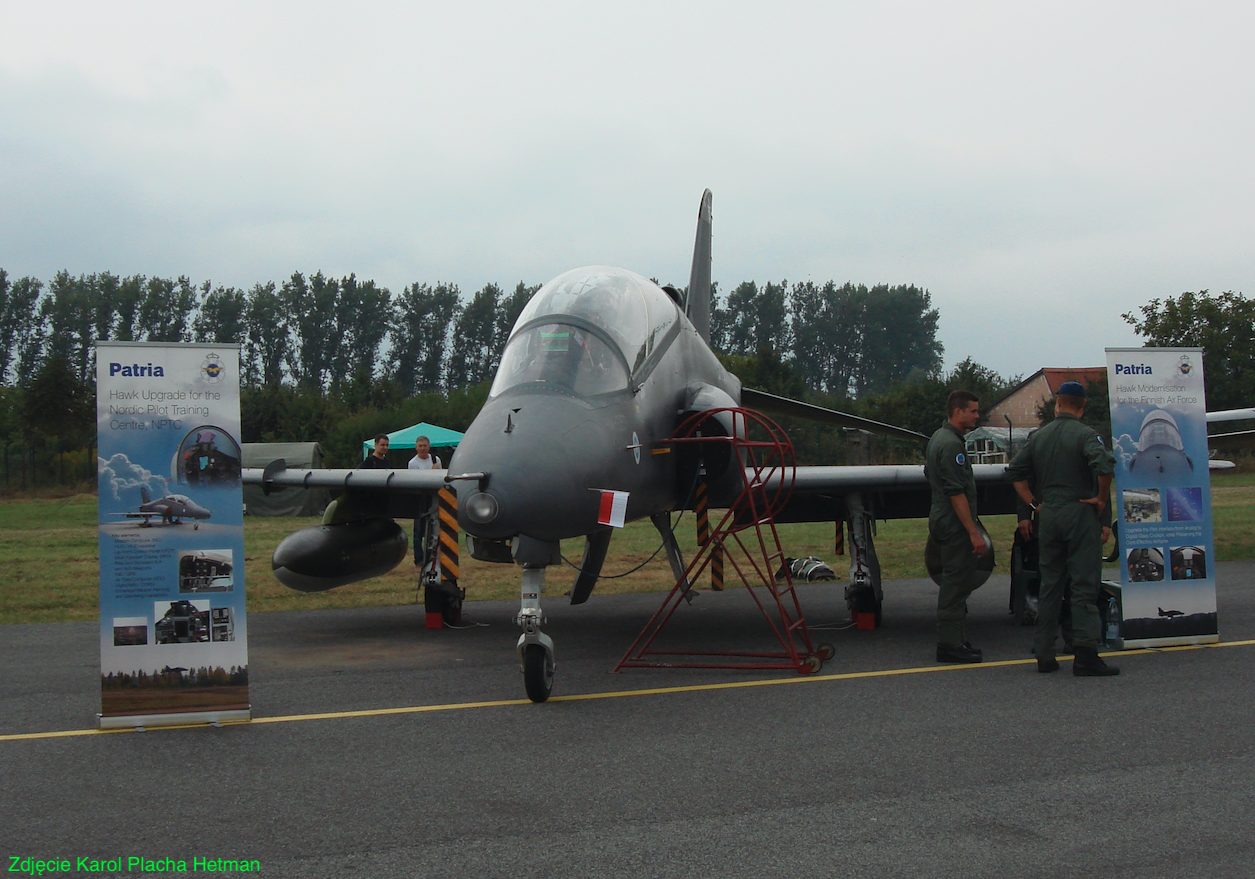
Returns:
<point x="698" y="305"/>
<point x="144" y="496"/>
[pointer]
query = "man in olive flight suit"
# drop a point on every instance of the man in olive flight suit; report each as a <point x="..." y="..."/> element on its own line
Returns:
<point x="1027" y="526"/>
<point x="953" y="526"/>
<point x="1072" y="470"/>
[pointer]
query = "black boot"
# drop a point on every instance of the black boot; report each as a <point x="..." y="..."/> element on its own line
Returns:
<point x="1088" y="664"/>
<point x="956" y="653"/>
<point x="1045" y="666"/>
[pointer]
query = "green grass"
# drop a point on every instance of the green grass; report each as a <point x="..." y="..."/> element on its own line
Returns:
<point x="48" y="556"/>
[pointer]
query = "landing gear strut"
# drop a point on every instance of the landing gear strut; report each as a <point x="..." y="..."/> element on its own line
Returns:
<point x="864" y="595"/>
<point x="535" y="647"/>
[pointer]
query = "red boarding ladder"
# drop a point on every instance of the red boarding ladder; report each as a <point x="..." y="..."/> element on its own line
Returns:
<point x="767" y="475"/>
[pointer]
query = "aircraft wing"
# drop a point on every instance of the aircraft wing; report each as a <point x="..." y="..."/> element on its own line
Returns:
<point x="770" y="404"/>
<point x="889" y="491"/>
<point x="402" y="481"/>
<point x="1231" y="415"/>
<point x="1233" y="439"/>
<point x="887" y="477"/>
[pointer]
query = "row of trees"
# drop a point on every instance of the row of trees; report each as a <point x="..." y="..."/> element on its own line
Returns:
<point x="844" y="341"/>
<point x="314" y="332"/>
<point x="324" y="333"/>
<point x="339" y="359"/>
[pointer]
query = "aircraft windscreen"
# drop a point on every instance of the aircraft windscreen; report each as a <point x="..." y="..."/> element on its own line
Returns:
<point x="563" y="356"/>
<point x="1159" y="429"/>
<point x="630" y="309"/>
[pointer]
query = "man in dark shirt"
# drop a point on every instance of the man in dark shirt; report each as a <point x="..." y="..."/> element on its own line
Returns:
<point x="378" y="459"/>
<point x="1071" y="469"/>
<point x="953" y="526"/>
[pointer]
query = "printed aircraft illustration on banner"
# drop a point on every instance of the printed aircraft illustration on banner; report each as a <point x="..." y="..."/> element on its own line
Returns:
<point x="600" y="369"/>
<point x="173" y="509"/>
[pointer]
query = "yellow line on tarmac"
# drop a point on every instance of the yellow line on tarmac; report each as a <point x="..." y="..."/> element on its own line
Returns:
<point x="617" y="694"/>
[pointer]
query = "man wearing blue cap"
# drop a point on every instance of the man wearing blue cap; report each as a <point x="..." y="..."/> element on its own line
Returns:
<point x="1072" y="470"/>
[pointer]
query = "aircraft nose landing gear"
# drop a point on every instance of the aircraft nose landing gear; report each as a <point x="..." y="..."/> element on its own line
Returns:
<point x="535" y="647"/>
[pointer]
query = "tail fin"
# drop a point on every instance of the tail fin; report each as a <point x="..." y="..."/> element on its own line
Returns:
<point x="143" y="495"/>
<point x="698" y="305"/>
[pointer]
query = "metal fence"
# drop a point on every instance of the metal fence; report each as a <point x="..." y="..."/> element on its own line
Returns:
<point x="27" y="467"/>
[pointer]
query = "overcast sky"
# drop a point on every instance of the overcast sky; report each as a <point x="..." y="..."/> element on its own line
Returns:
<point x="1039" y="168"/>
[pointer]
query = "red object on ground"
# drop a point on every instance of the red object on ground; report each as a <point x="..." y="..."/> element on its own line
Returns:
<point x="435" y="621"/>
<point x="866" y="621"/>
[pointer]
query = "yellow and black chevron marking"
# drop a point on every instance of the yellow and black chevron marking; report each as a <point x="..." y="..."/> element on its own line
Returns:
<point x="838" y="542"/>
<point x="716" y="567"/>
<point x="703" y="536"/>
<point x="448" y="549"/>
<point x="703" y="519"/>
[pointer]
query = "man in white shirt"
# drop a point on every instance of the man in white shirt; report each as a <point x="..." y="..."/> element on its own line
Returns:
<point x="423" y="458"/>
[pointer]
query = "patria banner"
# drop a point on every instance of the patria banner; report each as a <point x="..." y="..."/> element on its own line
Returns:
<point x="173" y="636"/>
<point x="1163" y="496"/>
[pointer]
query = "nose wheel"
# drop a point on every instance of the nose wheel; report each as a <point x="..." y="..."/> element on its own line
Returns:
<point x="537" y="672"/>
<point x="535" y="647"/>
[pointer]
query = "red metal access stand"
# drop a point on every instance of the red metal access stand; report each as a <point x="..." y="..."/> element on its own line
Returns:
<point x="747" y="540"/>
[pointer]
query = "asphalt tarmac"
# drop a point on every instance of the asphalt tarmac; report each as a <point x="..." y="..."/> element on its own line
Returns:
<point x="933" y="771"/>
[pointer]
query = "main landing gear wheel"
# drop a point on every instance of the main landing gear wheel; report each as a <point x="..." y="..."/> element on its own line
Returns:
<point x="826" y="651"/>
<point x="865" y="601"/>
<point x="537" y="673"/>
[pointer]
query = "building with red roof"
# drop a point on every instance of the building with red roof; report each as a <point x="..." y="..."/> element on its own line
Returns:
<point x="1020" y="404"/>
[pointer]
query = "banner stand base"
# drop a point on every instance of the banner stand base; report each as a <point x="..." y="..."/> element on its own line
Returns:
<point x="187" y="718"/>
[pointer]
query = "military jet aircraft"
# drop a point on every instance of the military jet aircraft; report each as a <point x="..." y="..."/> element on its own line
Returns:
<point x="601" y="367"/>
<point x="173" y="509"/>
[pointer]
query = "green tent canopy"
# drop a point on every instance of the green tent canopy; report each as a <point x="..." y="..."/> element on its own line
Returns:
<point x="403" y="440"/>
<point x="298" y="502"/>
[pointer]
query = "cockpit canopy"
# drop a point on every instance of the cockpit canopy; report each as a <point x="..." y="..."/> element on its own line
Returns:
<point x="1159" y="429"/>
<point x="587" y="331"/>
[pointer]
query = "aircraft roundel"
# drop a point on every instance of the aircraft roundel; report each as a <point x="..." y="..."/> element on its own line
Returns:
<point x="960" y="459"/>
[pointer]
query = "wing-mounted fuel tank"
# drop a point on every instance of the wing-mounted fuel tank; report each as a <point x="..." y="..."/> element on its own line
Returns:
<point x="722" y="479"/>
<point x="326" y="556"/>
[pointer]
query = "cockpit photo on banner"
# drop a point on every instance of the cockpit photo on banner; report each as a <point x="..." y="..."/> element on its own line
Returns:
<point x="1163" y="496"/>
<point x="173" y="634"/>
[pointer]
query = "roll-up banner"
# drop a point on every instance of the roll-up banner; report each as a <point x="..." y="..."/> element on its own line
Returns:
<point x="173" y="636"/>
<point x="1163" y="496"/>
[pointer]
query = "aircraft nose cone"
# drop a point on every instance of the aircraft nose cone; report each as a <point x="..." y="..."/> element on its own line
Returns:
<point x="543" y="454"/>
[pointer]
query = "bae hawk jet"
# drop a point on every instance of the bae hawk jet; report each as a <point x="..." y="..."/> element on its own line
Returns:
<point x="600" y="368"/>
<point x="172" y="509"/>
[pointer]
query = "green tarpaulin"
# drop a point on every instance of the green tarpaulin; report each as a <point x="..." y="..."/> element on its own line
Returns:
<point x="291" y="501"/>
<point x="401" y="442"/>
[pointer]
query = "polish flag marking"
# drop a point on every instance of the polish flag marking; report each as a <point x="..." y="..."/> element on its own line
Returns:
<point x="613" y="508"/>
